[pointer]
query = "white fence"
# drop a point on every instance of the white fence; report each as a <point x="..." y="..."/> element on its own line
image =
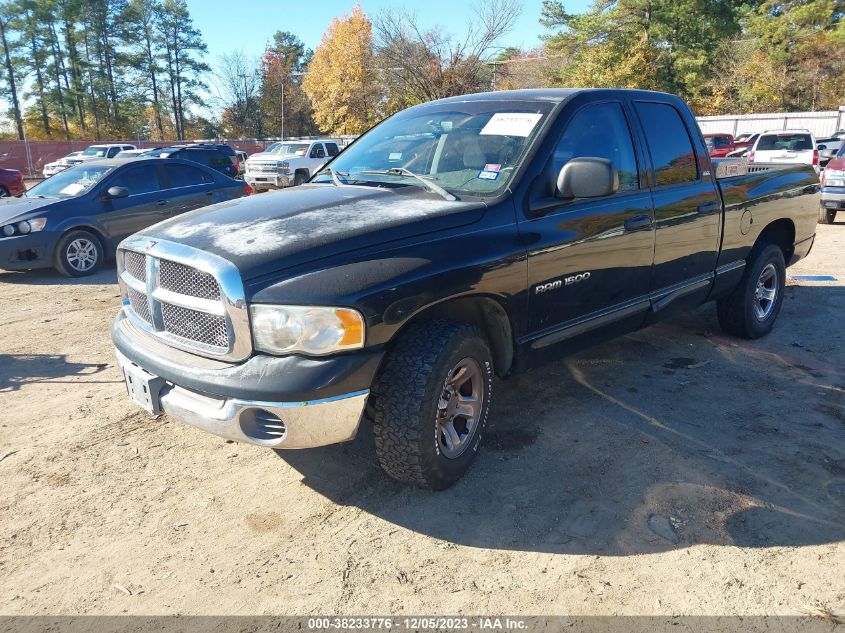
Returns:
<point x="821" y="124"/>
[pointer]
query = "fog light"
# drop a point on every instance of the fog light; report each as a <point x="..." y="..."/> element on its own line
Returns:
<point x="8" y="230"/>
<point x="262" y="426"/>
<point x="24" y="227"/>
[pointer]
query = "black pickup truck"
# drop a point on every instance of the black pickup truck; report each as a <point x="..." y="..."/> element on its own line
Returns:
<point x="458" y="239"/>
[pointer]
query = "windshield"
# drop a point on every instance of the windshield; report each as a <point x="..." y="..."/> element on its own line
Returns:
<point x="288" y="149"/>
<point x="71" y="182"/>
<point x="95" y="150"/>
<point x="469" y="148"/>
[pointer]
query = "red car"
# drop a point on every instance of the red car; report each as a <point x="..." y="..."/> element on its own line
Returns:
<point x="11" y="183"/>
<point x="719" y="145"/>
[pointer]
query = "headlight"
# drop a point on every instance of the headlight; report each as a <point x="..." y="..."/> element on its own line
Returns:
<point x="834" y="173"/>
<point x="26" y="226"/>
<point x="304" y="329"/>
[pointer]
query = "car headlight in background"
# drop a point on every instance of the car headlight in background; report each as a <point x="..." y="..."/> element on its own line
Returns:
<point x="26" y="226"/>
<point x="283" y="166"/>
<point x="306" y="329"/>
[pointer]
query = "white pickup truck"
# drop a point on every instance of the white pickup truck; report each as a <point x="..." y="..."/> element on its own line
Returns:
<point x="288" y="163"/>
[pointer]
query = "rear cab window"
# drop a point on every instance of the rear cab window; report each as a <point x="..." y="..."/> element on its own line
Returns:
<point x="332" y="149"/>
<point x="669" y="142"/>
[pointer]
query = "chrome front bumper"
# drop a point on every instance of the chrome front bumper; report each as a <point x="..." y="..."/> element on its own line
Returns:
<point x="270" y="424"/>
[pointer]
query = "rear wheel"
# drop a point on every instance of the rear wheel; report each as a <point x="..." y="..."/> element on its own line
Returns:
<point x="430" y="403"/>
<point x="4" y="193"/>
<point x="78" y="254"/>
<point x="751" y="310"/>
<point x="826" y="216"/>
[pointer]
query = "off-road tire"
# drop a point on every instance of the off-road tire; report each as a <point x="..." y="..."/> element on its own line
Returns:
<point x="736" y="312"/>
<point x="62" y="260"/>
<point x="405" y="396"/>
<point x="826" y="216"/>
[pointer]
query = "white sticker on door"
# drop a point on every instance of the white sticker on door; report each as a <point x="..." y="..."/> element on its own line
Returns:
<point x="511" y="124"/>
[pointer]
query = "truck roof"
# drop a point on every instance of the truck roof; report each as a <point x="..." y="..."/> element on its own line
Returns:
<point x="547" y="94"/>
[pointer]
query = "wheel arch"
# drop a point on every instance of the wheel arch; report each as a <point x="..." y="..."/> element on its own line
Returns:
<point x="483" y="311"/>
<point x="104" y="243"/>
<point x="781" y="233"/>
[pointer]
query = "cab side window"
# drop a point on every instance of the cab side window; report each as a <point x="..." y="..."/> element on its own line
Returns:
<point x="138" y="180"/>
<point x="332" y="149"/>
<point x="601" y="131"/>
<point x="669" y="142"/>
<point x="184" y="176"/>
<point x="317" y="151"/>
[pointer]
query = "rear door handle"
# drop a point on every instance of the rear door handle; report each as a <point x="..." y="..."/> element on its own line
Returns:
<point x="709" y="207"/>
<point x="637" y="222"/>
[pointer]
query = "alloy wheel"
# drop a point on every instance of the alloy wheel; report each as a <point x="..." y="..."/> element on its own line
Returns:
<point x="766" y="292"/>
<point x="459" y="407"/>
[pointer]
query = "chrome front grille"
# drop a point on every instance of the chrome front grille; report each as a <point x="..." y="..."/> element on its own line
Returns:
<point x="263" y="168"/>
<point x="187" y="281"/>
<point x="204" y="328"/>
<point x="139" y="303"/>
<point x="191" y="299"/>
<point x="136" y="265"/>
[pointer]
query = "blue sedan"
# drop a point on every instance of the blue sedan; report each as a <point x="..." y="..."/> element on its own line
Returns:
<point x="75" y="219"/>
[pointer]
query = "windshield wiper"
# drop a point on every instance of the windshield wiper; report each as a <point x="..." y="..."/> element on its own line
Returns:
<point x="426" y="182"/>
<point x="334" y="174"/>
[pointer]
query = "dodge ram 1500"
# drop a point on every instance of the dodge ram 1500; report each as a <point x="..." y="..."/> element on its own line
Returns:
<point x="459" y="239"/>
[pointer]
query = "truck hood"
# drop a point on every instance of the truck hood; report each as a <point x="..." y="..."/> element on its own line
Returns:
<point x="266" y="233"/>
<point x="272" y="156"/>
<point x="16" y="209"/>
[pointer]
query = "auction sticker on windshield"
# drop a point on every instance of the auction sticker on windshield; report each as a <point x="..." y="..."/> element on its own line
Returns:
<point x="511" y="124"/>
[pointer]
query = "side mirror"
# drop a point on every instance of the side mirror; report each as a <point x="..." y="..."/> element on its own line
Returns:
<point x="587" y="178"/>
<point x="117" y="192"/>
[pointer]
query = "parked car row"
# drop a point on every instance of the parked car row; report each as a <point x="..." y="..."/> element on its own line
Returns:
<point x="74" y="220"/>
<point x="774" y="147"/>
<point x="217" y="156"/>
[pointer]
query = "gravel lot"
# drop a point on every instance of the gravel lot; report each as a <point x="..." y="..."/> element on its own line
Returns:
<point x="673" y="471"/>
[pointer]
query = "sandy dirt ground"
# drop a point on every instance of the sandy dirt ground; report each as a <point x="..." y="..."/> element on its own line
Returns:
<point x="673" y="471"/>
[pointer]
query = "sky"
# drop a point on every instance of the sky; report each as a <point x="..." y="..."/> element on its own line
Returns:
<point x="248" y="25"/>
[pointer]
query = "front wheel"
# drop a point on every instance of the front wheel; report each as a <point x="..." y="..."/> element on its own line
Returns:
<point x="751" y="309"/>
<point x="299" y="179"/>
<point x="430" y="403"/>
<point x="826" y="216"/>
<point x="78" y="254"/>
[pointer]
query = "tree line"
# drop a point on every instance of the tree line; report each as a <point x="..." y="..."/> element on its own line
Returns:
<point x="101" y="68"/>
<point x="126" y="68"/>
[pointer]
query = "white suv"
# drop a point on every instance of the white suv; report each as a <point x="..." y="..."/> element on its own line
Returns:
<point x="288" y="163"/>
<point x="109" y="150"/>
<point x="790" y="147"/>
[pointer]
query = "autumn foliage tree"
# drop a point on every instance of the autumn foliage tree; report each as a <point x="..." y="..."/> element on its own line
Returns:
<point x="341" y="79"/>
